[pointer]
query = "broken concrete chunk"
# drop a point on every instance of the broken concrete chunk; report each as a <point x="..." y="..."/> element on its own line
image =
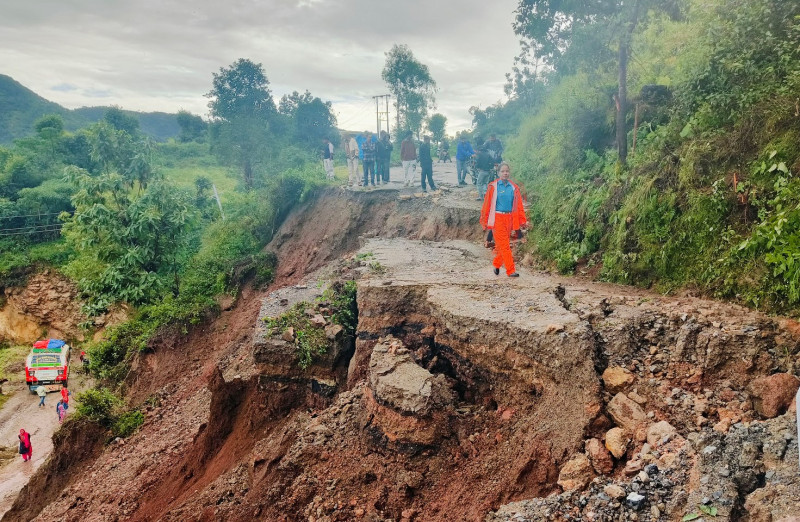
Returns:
<point x="398" y="382"/>
<point x="772" y="395"/>
<point x="616" y="379"/>
<point x="625" y="413"/>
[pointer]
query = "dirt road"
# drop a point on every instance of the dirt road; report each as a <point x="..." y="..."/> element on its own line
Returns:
<point x="22" y="411"/>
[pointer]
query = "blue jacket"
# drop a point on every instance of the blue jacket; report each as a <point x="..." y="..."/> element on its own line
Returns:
<point x="464" y="151"/>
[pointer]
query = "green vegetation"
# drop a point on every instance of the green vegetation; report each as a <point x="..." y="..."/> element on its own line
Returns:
<point x="708" y="196"/>
<point x="412" y="86"/>
<point x="310" y="339"/>
<point x="12" y="367"/>
<point x="103" y="407"/>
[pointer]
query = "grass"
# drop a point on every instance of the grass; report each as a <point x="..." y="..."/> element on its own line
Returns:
<point x="185" y="177"/>
<point x="12" y="367"/>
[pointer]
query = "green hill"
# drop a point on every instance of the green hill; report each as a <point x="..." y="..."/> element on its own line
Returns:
<point x="20" y="108"/>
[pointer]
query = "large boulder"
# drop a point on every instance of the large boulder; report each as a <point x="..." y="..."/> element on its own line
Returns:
<point x="400" y="383"/>
<point x="576" y="473"/>
<point x="617" y="379"/>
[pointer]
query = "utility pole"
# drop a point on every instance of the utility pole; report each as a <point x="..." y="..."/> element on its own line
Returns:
<point x="381" y="116"/>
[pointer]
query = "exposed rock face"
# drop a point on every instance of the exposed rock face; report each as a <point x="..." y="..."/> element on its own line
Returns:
<point x="772" y="395"/>
<point x="47" y="303"/>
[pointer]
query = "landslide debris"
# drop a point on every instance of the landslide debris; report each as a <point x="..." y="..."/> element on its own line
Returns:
<point x="462" y="396"/>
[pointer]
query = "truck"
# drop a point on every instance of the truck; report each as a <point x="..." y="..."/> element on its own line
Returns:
<point x="47" y="365"/>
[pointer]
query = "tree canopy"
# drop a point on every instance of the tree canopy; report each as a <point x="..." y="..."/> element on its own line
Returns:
<point x="412" y="85"/>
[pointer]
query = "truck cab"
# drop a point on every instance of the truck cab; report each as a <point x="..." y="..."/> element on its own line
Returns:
<point x="47" y="365"/>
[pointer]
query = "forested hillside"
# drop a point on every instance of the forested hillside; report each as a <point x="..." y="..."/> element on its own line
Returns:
<point x="20" y="108"/>
<point x="708" y="195"/>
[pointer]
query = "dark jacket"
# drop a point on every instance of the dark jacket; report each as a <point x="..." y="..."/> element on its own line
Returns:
<point x="425" y="153"/>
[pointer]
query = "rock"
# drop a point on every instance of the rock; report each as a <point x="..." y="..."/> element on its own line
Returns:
<point x="333" y="331"/>
<point x="576" y="474"/>
<point x="599" y="456"/>
<point x="614" y="491"/>
<point x="617" y="442"/>
<point x="398" y="382"/>
<point x="772" y="395"/>
<point x="633" y="467"/>
<point x="658" y="432"/>
<point x="318" y="320"/>
<point x="288" y="335"/>
<point x="555" y="328"/>
<point x="634" y="500"/>
<point x="616" y="379"/>
<point x="625" y="413"/>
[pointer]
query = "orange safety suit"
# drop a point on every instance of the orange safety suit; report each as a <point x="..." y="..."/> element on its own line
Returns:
<point x="502" y="225"/>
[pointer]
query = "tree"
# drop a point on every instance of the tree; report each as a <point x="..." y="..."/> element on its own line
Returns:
<point x="411" y="84"/>
<point x="193" y="128"/>
<point x="548" y="27"/>
<point x="312" y="118"/>
<point x="120" y="120"/>
<point x="129" y="225"/>
<point x="241" y="109"/>
<point x="437" y="124"/>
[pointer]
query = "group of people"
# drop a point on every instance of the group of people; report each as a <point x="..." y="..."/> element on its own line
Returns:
<point x="502" y="213"/>
<point x="62" y="406"/>
<point x="375" y="157"/>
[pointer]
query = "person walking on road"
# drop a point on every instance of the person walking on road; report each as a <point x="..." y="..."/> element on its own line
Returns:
<point x="463" y="154"/>
<point x="25" y="448"/>
<point x="503" y="213"/>
<point x="408" y="156"/>
<point x="61" y="410"/>
<point x="426" y="163"/>
<point x="41" y="391"/>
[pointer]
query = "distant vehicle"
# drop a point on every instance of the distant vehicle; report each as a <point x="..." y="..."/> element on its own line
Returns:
<point x="47" y="365"/>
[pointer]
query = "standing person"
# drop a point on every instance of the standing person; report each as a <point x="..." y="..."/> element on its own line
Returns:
<point x="408" y="155"/>
<point x="351" y="151"/>
<point x="327" y="157"/>
<point x="25" y="448"/>
<point x="495" y="149"/>
<point x="368" y="151"/>
<point x="65" y="393"/>
<point x="426" y="162"/>
<point x="61" y="410"/>
<point x="503" y="213"/>
<point x="463" y="154"/>
<point x="383" y="152"/>
<point x="485" y="166"/>
<point x="41" y="391"/>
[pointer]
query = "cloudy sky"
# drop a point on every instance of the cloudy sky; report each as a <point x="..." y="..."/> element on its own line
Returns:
<point x="159" y="55"/>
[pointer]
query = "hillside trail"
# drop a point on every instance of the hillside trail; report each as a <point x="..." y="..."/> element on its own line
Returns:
<point x="22" y="411"/>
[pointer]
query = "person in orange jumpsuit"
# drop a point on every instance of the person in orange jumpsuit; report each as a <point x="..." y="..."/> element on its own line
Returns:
<point x="503" y="213"/>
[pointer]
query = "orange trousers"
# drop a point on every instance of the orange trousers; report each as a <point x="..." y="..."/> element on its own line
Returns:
<point x="502" y="243"/>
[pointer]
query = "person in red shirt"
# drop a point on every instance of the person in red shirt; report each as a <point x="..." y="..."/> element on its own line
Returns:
<point x="503" y="213"/>
<point x="65" y="397"/>
<point x="25" y="448"/>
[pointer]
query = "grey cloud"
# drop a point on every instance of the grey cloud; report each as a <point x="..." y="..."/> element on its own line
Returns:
<point x="160" y="54"/>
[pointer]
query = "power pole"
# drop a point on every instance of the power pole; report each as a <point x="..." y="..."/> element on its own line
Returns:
<point x="381" y="116"/>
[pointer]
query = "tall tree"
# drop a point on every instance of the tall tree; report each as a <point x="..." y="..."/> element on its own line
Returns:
<point x="241" y="109"/>
<point x="412" y="85"/>
<point x="548" y="28"/>
<point x="312" y="118"/>
<point x="437" y="124"/>
<point x="193" y="128"/>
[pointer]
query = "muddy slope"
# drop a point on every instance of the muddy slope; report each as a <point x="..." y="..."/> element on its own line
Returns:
<point x="464" y="396"/>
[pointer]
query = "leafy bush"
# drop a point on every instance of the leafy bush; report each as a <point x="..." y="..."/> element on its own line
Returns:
<point x="103" y="407"/>
<point x="127" y="423"/>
